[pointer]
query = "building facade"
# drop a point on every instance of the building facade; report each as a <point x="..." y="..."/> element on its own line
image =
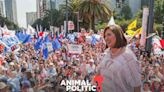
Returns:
<point x="11" y="10"/>
<point x="31" y="17"/>
<point x="2" y="8"/>
<point x="116" y="5"/>
<point x="41" y="8"/>
<point x="43" y="5"/>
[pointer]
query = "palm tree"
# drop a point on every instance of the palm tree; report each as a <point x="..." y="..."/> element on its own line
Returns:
<point x="93" y="9"/>
<point x="73" y="6"/>
<point x="72" y="9"/>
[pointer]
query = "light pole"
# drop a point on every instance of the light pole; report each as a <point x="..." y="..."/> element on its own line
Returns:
<point x="150" y="26"/>
<point x="51" y="12"/>
<point x="78" y="26"/>
<point x="66" y="18"/>
<point x="162" y="33"/>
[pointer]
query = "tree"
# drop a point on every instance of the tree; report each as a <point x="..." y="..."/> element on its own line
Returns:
<point x="57" y="19"/>
<point x="126" y="12"/>
<point x="158" y="11"/>
<point x="9" y="24"/>
<point x="73" y="6"/>
<point x="93" y="9"/>
<point x="72" y="9"/>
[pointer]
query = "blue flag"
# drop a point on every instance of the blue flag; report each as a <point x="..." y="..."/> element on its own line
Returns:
<point x="45" y="52"/>
<point x="94" y="40"/>
<point x="38" y="44"/>
<point x="20" y="36"/>
<point x="24" y="38"/>
<point x="27" y="39"/>
<point x="47" y="39"/>
<point x="56" y="45"/>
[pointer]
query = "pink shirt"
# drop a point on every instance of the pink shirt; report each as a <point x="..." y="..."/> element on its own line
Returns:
<point x="120" y="74"/>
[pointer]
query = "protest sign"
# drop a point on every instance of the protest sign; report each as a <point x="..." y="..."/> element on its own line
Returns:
<point x="75" y="49"/>
<point x="10" y="42"/>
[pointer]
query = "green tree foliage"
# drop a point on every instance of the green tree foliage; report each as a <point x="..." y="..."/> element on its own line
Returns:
<point x="72" y="8"/>
<point x="9" y="24"/>
<point x="126" y="12"/>
<point x="53" y="17"/>
<point x="94" y="9"/>
<point x="158" y="11"/>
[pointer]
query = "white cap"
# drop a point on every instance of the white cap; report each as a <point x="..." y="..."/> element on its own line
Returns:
<point x="91" y="60"/>
<point x="51" y="64"/>
<point x="11" y="63"/>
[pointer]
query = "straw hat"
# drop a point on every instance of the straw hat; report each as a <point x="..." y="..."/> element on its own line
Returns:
<point x="2" y="85"/>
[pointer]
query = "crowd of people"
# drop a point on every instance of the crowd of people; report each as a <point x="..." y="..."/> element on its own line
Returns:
<point x="28" y="71"/>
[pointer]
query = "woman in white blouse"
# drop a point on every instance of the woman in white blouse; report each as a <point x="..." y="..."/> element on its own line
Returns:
<point x="119" y="67"/>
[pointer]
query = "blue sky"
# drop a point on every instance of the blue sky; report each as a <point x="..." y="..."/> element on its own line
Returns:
<point x="24" y="6"/>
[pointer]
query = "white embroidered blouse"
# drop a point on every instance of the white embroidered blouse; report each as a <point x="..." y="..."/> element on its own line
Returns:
<point x="122" y="73"/>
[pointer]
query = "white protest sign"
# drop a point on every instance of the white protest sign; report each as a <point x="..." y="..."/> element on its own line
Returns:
<point x="156" y="45"/>
<point x="75" y="49"/>
<point x="49" y="46"/>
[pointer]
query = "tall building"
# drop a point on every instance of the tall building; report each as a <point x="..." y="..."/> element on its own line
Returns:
<point x="31" y="17"/>
<point x="135" y="5"/>
<point x="55" y="4"/>
<point x="2" y="12"/>
<point x="11" y="10"/>
<point x="41" y="8"/>
<point x="43" y="5"/>
<point x="116" y="5"/>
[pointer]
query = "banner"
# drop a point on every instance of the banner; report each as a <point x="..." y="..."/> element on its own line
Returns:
<point x="10" y="42"/>
<point x="144" y="27"/>
<point x="156" y="45"/>
<point x="75" y="49"/>
<point x="49" y="46"/>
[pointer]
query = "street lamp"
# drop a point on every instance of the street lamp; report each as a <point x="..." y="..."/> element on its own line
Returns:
<point x="150" y="26"/>
<point x="162" y="34"/>
<point x="66" y="18"/>
<point x="78" y="26"/>
<point x="51" y="12"/>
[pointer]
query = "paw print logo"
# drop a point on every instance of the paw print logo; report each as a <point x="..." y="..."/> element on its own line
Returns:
<point x="98" y="79"/>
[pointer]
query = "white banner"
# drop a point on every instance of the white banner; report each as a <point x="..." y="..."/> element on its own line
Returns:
<point x="156" y="45"/>
<point x="49" y="46"/>
<point x="75" y="49"/>
<point x="10" y="42"/>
